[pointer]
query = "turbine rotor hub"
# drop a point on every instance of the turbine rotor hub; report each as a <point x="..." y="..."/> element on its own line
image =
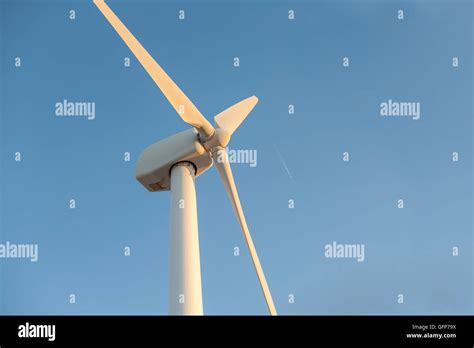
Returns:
<point x="220" y="138"/>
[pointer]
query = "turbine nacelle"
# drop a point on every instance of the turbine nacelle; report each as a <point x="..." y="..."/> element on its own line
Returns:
<point x="154" y="165"/>
<point x="155" y="162"/>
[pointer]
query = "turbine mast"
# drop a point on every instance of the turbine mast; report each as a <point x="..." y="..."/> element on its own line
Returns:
<point x="185" y="292"/>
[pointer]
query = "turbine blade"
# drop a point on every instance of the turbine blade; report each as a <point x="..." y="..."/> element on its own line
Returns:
<point x="221" y="161"/>
<point x="180" y="102"/>
<point x="231" y="118"/>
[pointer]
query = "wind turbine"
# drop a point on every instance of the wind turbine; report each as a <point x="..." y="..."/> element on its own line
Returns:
<point x="173" y="163"/>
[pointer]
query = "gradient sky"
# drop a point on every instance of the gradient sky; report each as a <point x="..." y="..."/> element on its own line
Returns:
<point x="283" y="62"/>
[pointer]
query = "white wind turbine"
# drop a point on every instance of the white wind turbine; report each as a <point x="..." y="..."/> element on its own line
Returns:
<point x="173" y="163"/>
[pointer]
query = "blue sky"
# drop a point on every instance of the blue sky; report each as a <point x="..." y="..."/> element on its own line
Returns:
<point x="407" y="251"/>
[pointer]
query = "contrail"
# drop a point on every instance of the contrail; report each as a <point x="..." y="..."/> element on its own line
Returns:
<point x="283" y="161"/>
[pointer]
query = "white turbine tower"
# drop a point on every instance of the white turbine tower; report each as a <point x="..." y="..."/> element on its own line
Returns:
<point x="173" y="163"/>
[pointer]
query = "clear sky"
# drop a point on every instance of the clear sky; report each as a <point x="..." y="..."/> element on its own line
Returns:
<point x="408" y="251"/>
